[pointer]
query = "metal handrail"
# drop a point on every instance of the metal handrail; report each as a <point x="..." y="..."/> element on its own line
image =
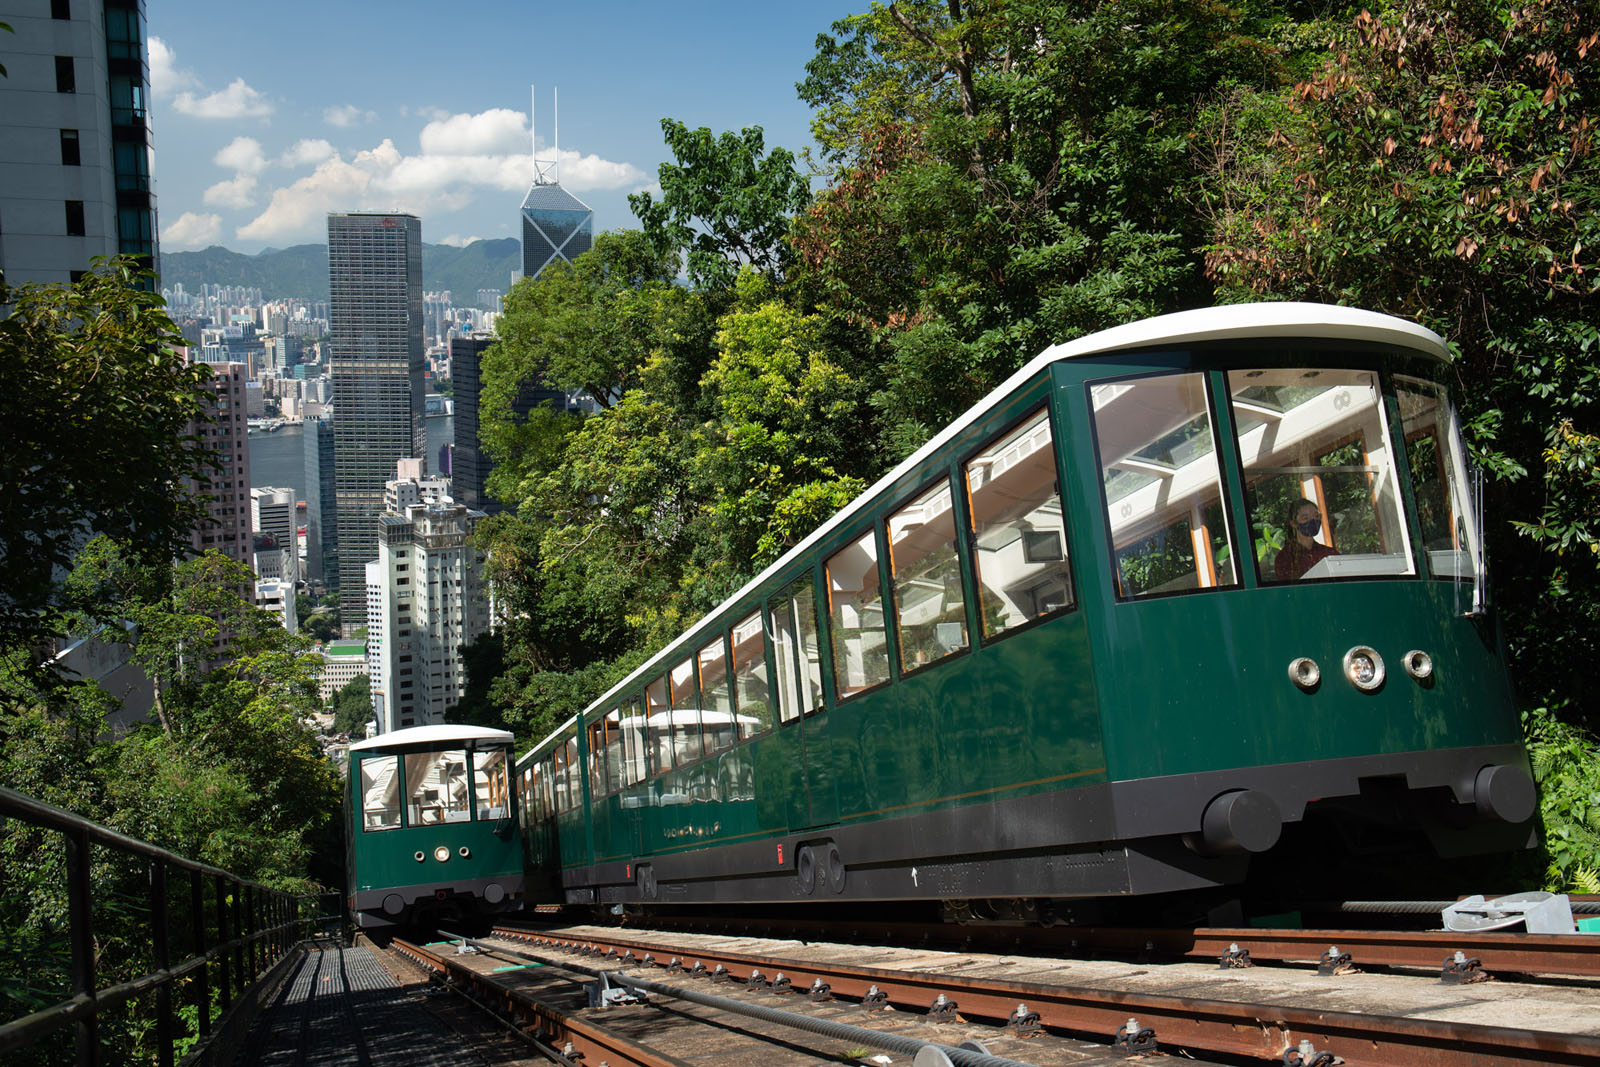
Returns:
<point x="255" y="926"/>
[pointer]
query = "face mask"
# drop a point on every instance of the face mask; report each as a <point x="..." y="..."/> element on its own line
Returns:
<point x="1310" y="527"/>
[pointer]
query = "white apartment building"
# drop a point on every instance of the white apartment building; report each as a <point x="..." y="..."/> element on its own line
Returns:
<point x="272" y="512"/>
<point x="277" y="596"/>
<point x="426" y="598"/>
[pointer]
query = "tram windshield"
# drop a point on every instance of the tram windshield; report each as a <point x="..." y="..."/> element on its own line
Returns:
<point x="1319" y="474"/>
<point x="436" y="787"/>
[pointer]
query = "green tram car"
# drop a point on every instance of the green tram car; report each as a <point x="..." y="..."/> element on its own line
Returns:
<point x="1184" y="596"/>
<point x="430" y="827"/>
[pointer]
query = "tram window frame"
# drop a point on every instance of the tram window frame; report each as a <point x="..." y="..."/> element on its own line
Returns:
<point x="761" y="667"/>
<point x="1223" y="503"/>
<point x="896" y="583"/>
<point x="867" y="539"/>
<point x="805" y="676"/>
<point x="686" y="697"/>
<point x="598" y="778"/>
<point x="658" y="701"/>
<point x="397" y="792"/>
<point x="635" y="748"/>
<point x="1395" y="525"/>
<point x="1014" y="428"/>
<point x="1452" y="476"/>
<point x="712" y="737"/>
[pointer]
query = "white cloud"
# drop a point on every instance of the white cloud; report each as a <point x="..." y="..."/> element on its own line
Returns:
<point x="455" y="240"/>
<point x="191" y="231"/>
<point x="237" y="101"/>
<point x="461" y="157"/>
<point x="166" y="77"/>
<point x="298" y="209"/>
<point x="242" y="154"/>
<point x="497" y="130"/>
<point x="307" y="152"/>
<point x="347" y="115"/>
<point x="236" y="193"/>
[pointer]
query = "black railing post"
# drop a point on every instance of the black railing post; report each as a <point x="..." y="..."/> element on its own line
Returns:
<point x="197" y="918"/>
<point x="223" y="949"/>
<point x="241" y="970"/>
<point x="160" y="931"/>
<point x="80" y="915"/>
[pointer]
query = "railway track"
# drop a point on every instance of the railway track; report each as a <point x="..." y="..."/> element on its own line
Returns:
<point x="1499" y="953"/>
<point x="560" y="1007"/>
<point x="1257" y="1014"/>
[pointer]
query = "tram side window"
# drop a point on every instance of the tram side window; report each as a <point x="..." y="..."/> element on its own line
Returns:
<point x="1319" y="474"/>
<point x="1019" y="537"/>
<point x="1162" y="485"/>
<point x="436" y="787"/>
<point x="635" y="767"/>
<point x="930" y="603"/>
<point x="490" y="786"/>
<point x="751" y="691"/>
<point x="794" y="639"/>
<point x="658" y="717"/>
<point x="571" y="775"/>
<point x="613" y="750"/>
<point x="1433" y="452"/>
<point x="685" y="713"/>
<point x="860" y="648"/>
<point x="717" y="726"/>
<point x="597" y="758"/>
<point x="380" y="793"/>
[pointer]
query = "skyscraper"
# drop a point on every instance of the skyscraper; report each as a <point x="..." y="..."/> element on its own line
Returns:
<point x="376" y="358"/>
<point x="322" y="524"/>
<point x="74" y="139"/>
<point x="471" y="463"/>
<point x="555" y="225"/>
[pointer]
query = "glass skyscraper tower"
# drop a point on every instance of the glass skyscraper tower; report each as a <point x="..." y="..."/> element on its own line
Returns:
<point x="375" y="338"/>
<point x="555" y="225"/>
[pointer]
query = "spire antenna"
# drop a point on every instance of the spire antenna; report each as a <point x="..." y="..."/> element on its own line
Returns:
<point x="545" y="171"/>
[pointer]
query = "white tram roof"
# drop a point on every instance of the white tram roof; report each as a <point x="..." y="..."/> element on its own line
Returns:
<point x="423" y="735"/>
<point x="1231" y="322"/>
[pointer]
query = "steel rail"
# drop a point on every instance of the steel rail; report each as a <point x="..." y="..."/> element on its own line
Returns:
<point x="1502" y="952"/>
<point x="595" y="1043"/>
<point x="1262" y="1031"/>
<point x="958" y="1056"/>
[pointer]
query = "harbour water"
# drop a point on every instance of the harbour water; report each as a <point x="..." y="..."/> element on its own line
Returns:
<point x="279" y="459"/>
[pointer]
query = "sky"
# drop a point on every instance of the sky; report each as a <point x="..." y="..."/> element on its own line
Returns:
<point x="267" y="118"/>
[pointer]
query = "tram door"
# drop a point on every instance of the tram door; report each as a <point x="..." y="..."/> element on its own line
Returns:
<point x="813" y="798"/>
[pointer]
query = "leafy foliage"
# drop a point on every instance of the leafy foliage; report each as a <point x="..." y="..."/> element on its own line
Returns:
<point x="96" y="434"/>
<point x="352" y="706"/>
<point x="1566" y="763"/>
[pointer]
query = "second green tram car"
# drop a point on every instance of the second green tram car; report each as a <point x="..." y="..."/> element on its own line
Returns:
<point x="430" y="827"/>
<point x="1175" y="599"/>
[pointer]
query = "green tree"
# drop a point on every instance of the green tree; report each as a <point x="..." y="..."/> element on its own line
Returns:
<point x="1437" y="165"/>
<point x="352" y="706"/>
<point x="725" y="203"/>
<point x="97" y="435"/>
<point x="1007" y="176"/>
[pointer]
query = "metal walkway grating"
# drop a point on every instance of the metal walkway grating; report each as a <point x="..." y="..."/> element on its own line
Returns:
<point x="340" y="1008"/>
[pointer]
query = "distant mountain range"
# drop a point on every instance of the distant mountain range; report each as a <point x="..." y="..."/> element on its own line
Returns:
<point x="302" y="271"/>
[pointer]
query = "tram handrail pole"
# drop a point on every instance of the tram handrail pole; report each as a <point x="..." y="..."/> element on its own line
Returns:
<point x="80" y="916"/>
<point x="161" y="949"/>
<point x="197" y="919"/>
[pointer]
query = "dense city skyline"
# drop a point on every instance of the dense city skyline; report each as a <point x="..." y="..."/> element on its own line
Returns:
<point x="418" y="127"/>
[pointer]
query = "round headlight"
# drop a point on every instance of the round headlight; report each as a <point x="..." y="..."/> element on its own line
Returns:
<point x="1305" y="673"/>
<point x="1364" y="667"/>
<point x="464" y="852"/>
<point x="1419" y="664"/>
<point x="441" y="853"/>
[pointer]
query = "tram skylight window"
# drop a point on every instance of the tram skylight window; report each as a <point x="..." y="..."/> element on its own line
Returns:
<point x="1163" y="487"/>
<point x="1319" y="474"/>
